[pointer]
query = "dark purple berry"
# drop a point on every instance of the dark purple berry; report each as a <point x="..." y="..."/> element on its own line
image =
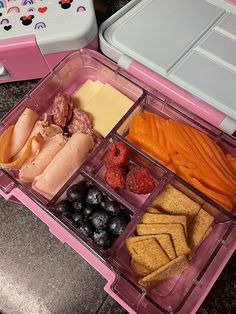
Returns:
<point x="85" y="228"/>
<point x="100" y="219"/>
<point x="63" y="206"/>
<point x="102" y="238"/>
<point x="94" y="196"/>
<point x="118" y="225"/>
<point x="112" y="207"/>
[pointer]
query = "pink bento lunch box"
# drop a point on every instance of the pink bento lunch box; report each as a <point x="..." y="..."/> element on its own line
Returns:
<point x="182" y="294"/>
<point x="36" y="35"/>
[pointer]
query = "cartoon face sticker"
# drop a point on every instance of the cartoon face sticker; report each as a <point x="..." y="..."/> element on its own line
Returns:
<point x="27" y="20"/>
<point x="65" y="4"/>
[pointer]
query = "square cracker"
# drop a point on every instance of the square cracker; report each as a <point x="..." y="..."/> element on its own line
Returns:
<point x="198" y="228"/>
<point x="149" y="254"/>
<point x="172" y="269"/>
<point x="139" y="269"/>
<point x="163" y="239"/>
<point x="173" y="201"/>
<point x="175" y="230"/>
<point x="165" y="219"/>
<point x="153" y="210"/>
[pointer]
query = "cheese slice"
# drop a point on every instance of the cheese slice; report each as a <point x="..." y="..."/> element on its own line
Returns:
<point x="82" y="90"/>
<point x="107" y="107"/>
<point x="87" y="93"/>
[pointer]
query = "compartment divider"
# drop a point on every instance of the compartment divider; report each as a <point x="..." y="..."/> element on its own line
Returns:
<point x="105" y="190"/>
<point x="145" y="155"/>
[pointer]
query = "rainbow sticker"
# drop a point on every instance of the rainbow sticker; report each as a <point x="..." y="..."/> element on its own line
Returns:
<point x="31" y="10"/>
<point x="40" y="25"/>
<point x="4" y="21"/>
<point x="13" y="10"/>
<point x="81" y="9"/>
<point x="3" y="4"/>
<point x="25" y="2"/>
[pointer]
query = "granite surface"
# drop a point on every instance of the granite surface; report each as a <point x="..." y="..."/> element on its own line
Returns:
<point x="40" y="275"/>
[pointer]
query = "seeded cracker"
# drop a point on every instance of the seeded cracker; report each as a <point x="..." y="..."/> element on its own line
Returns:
<point x="172" y="201"/>
<point x="173" y="268"/>
<point x="149" y="254"/>
<point x="175" y="230"/>
<point x="163" y="239"/>
<point x="199" y="228"/>
<point x="165" y="219"/>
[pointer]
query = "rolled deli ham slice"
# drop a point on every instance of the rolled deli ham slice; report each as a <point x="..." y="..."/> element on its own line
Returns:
<point x="34" y="167"/>
<point x="45" y="129"/>
<point x="63" y="165"/>
<point x="22" y="130"/>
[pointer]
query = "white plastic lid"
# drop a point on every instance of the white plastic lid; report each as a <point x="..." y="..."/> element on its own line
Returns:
<point x="57" y="25"/>
<point x="190" y="42"/>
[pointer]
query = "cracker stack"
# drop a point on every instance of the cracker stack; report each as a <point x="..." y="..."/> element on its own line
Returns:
<point x="167" y="236"/>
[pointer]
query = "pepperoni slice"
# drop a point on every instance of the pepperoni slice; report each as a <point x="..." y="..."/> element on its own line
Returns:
<point x="62" y="110"/>
<point x="80" y="121"/>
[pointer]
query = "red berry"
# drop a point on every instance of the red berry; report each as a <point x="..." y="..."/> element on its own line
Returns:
<point x="140" y="181"/>
<point x="117" y="155"/>
<point x="114" y="177"/>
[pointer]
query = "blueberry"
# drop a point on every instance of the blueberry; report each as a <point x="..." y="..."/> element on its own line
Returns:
<point x="104" y="200"/>
<point x="77" y="217"/>
<point x="112" y="207"/>
<point x="78" y="206"/>
<point x="118" y="225"/>
<point x="125" y="214"/>
<point x="102" y="238"/>
<point x="67" y="214"/>
<point x="85" y="228"/>
<point x="77" y="192"/>
<point x="87" y="211"/>
<point x="100" y="219"/>
<point x="63" y="206"/>
<point x="94" y="196"/>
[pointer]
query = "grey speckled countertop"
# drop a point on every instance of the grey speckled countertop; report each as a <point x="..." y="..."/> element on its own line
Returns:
<point x="40" y="275"/>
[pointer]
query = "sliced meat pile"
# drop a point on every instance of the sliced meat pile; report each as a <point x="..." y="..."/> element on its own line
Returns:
<point x="71" y="119"/>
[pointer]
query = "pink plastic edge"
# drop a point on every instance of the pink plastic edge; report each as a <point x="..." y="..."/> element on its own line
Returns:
<point x="65" y="237"/>
<point x="214" y="278"/>
<point x="37" y="64"/>
<point x="176" y="93"/>
<point x="28" y="51"/>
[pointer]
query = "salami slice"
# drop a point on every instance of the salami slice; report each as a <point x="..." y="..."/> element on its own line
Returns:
<point x="62" y="110"/>
<point x="80" y="122"/>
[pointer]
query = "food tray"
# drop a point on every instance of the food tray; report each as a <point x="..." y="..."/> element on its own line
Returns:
<point x="182" y="294"/>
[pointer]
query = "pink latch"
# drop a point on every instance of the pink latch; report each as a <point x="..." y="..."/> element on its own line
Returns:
<point x="21" y="59"/>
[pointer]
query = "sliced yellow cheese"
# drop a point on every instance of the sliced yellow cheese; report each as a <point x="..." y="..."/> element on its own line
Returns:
<point x="107" y="107"/>
<point x="87" y="94"/>
<point x="82" y="90"/>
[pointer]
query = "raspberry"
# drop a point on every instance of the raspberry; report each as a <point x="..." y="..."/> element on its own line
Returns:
<point x="140" y="181"/>
<point x="116" y="155"/>
<point x="114" y="177"/>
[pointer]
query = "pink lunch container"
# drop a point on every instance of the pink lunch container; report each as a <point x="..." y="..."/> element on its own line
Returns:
<point x="36" y="35"/>
<point x="182" y="294"/>
<point x="156" y="93"/>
